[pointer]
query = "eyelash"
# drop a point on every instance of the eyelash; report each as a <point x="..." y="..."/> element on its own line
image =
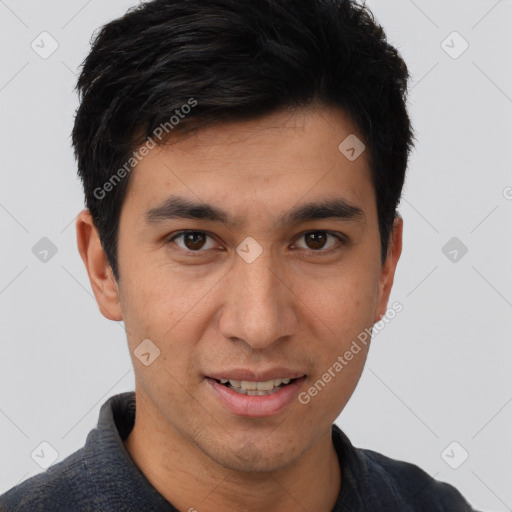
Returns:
<point x="341" y="239"/>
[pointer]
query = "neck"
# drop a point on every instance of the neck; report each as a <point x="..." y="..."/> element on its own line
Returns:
<point x="193" y="482"/>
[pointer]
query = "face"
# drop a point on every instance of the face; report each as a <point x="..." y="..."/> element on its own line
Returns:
<point x="258" y="289"/>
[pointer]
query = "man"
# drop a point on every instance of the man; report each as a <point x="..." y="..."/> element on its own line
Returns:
<point x="242" y="164"/>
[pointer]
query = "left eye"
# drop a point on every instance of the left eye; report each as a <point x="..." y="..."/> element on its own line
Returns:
<point x="193" y="240"/>
<point x="318" y="239"/>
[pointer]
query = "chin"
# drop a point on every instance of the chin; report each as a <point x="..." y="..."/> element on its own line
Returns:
<point x="251" y="457"/>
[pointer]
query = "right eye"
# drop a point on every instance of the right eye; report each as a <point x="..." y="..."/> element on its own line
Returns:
<point x="193" y="241"/>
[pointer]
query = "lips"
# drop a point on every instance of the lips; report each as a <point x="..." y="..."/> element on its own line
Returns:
<point x="242" y="374"/>
<point x="252" y="388"/>
<point x="250" y="395"/>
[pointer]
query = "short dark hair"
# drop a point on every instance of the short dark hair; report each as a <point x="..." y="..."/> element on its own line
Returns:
<point x="237" y="60"/>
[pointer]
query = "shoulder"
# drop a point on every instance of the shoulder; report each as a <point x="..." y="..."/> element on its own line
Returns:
<point x="373" y="481"/>
<point x="65" y="484"/>
<point x="413" y="486"/>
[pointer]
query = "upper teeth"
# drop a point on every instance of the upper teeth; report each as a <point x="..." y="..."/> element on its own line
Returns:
<point x="251" y="385"/>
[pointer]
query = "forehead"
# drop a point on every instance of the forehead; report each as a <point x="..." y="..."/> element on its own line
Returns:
<point x="280" y="160"/>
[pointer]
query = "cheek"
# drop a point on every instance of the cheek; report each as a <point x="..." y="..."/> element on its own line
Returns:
<point x="157" y="299"/>
<point x="328" y="392"/>
<point x="341" y="312"/>
<point x="343" y="300"/>
<point x="343" y="316"/>
<point x="169" y="312"/>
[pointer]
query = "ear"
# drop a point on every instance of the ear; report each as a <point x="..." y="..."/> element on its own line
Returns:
<point x="100" y="273"/>
<point x="388" y="268"/>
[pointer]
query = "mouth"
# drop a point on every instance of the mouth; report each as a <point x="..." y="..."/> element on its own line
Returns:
<point x="256" y="398"/>
<point x="254" y="388"/>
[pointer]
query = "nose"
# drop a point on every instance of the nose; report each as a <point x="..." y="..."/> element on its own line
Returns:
<point x="259" y="306"/>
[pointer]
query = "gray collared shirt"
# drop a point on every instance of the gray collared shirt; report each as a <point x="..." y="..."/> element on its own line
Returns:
<point x="102" y="477"/>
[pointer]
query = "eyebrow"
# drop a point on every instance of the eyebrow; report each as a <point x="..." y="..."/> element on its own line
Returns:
<point x="176" y="207"/>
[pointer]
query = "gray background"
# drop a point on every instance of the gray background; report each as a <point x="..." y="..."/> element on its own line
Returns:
<point x="439" y="372"/>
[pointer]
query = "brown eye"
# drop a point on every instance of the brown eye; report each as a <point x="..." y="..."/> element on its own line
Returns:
<point x="193" y="241"/>
<point x="316" y="241"/>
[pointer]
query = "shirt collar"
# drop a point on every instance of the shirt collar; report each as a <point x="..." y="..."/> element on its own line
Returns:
<point x="116" y="476"/>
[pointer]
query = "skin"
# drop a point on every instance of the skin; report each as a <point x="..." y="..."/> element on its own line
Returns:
<point x="291" y="307"/>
